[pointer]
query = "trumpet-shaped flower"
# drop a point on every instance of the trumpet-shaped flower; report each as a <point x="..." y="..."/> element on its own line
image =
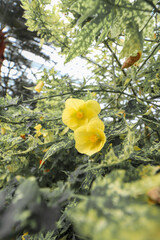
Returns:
<point x="39" y="86"/>
<point x="78" y="112"/>
<point x="90" y="138"/>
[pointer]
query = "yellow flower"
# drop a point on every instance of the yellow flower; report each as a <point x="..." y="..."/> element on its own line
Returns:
<point x="38" y="130"/>
<point x="38" y="127"/>
<point x="39" y="86"/>
<point x="78" y="112"/>
<point x="25" y="234"/>
<point x="90" y="138"/>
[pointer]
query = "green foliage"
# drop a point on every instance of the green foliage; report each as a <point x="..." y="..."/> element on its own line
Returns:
<point x="50" y="190"/>
<point x="110" y="17"/>
<point x="133" y="41"/>
<point x="117" y="209"/>
<point x="42" y="236"/>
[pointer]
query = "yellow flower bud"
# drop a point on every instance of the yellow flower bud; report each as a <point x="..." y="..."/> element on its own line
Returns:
<point x="3" y="131"/>
<point x="38" y="127"/>
<point x="23" y="236"/>
<point x="38" y="130"/>
<point x="39" y="86"/>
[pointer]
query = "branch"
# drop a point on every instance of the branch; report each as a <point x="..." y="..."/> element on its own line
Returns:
<point x="75" y="93"/>
<point x="147" y="21"/>
<point x="91" y="61"/>
<point x="157" y="46"/>
<point x="114" y="55"/>
<point x="119" y="64"/>
<point x="63" y="94"/>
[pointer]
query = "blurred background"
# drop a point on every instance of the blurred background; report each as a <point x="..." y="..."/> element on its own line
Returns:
<point x="16" y="45"/>
<point x="22" y="57"/>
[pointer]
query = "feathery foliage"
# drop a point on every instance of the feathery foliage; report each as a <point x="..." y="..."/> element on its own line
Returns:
<point x="48" y="188"/>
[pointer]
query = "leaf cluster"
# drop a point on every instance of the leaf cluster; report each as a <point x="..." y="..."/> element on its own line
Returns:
<point x="50" y="190"/>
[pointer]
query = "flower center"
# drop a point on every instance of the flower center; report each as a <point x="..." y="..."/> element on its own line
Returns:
<point x="79" y="115"/>
<point x="93" y="138"/>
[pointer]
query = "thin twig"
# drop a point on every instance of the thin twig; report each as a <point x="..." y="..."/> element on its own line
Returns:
<point x="148" y="21"/>
<point x="91" y="61"/>
<point x="64" y="94"/>
<point x="114" y="55"/>
<point x="125" y="74"/>
<point x="75" y="93"/>
<point x="157" y="46"/>
<point x="152" y="5"/>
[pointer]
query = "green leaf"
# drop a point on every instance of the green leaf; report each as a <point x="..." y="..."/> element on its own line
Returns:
<point x="133" y="41"/>
<point x="85" y="8"/>
<point x="85" y="37"/>
<point x="56" y="147"/>
<point x="117" y="210"/>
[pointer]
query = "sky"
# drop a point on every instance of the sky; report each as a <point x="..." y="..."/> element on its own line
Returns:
<point x="76" y="68"/>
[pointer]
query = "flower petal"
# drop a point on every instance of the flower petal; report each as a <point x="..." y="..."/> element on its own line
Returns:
<point x="69" y="119"/>
<point x="94" y="105"/>
<point x="95" y="122"/>
<point x="39" y="86"/>
<point x="73" y="103"/>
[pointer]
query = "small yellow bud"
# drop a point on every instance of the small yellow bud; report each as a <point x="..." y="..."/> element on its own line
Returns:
<point x="154" y="36"/>
<point x="25" y="234"/>
<point x="136" y="148"/>
<point x="3" y="131"/>
<point x="45" y="150"/>
<point x="38" y="127"/>
<point x="39" y="86"/>
<point x="38" y="130"/>
<point x="94" y="94"/>
<point x="41" y="118"/>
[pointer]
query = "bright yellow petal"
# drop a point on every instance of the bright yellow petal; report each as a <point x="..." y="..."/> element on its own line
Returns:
<point x="73" y="103"/>
<point x="94" y="105"/>
<point x="89" y="149"/>
<point x="81" y="137"/>
<point x="81" y="134"/>
<point x="69" y="118"/>
<point x="38" y="127"/>
<point x="66" y="115"/>
<point x="95" y="123"/>
<point x="88" y="112"/>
